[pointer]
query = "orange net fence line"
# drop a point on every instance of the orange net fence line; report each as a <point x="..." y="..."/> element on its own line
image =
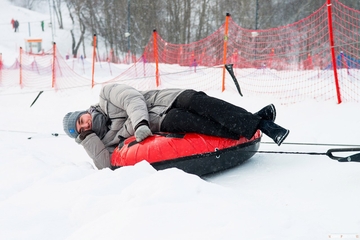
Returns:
<point x="315" y="58"/>
<point x="41" y="72"/>
<point x="346" y="23"/>
<point x="292" y="63"/>
<point x="197" y="65"/>
<point x="28" y="71"/>
<point x="286" y="62"/>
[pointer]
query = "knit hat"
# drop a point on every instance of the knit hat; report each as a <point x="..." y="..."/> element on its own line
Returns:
<point x="69" y="123"/>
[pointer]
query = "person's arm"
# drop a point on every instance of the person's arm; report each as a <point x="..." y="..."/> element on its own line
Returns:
<point x="130" y="100"/>
<point x="96" y="149"/>
<point x="133" y="103"/>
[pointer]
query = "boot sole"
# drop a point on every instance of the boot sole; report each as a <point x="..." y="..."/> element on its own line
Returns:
<point x="280" y="141"/>
<point x="265" y="116"/>
<point x="274" y="112"/>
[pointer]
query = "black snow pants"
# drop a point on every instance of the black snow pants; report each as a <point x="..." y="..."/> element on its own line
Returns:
<point x="197" y="112"/>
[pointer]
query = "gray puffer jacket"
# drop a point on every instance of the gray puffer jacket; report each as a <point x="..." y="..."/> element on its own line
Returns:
<point x="126" y="107"/>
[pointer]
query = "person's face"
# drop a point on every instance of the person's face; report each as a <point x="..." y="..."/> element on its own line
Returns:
<point x="84" y="123"/>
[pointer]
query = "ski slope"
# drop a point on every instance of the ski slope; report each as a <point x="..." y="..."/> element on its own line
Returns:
<point x="49" y="188"/>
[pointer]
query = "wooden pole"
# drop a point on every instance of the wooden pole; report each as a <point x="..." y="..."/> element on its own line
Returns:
<point x="21" y="78"/>
<point x="53" y="66"/>
<point x="156" y="58"/>
<point x="93" y="63"/>
<point x="225" y="50"/>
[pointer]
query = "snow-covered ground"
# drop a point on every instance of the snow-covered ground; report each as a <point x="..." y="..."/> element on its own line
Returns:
<point x="49" y="188"/>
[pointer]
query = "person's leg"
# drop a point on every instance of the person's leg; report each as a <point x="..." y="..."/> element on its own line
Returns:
<point x="234" y="118"/>
<point x="179" y="120"/>
<point x="274" y="131"/>
<point x="267" y="113"/>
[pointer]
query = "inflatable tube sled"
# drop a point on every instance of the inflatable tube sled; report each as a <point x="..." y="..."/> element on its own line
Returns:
<point x="193" y="153"/>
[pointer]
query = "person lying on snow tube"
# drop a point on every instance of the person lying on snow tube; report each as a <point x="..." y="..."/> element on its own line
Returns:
<point x="123" y="111"/>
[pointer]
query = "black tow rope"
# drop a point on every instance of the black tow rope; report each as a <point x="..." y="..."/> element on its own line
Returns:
<point x="329" y="153"/>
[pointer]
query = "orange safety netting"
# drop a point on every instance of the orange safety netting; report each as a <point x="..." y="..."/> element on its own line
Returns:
<point x="317" y="58"/>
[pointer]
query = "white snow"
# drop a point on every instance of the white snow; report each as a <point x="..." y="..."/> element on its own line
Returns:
<point x="49" y="188"/>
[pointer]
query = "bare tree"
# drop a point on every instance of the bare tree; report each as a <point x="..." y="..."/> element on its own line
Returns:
<point x="178" y="21"/>
<point x="202" y="19"/>
<point x="75" y="7"/>
<point x="57" y="9"/>
<point x="29" y="4"/>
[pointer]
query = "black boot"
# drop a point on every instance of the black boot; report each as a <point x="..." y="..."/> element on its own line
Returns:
<point x="267" y="113"/>
<point x="274" y="131"/>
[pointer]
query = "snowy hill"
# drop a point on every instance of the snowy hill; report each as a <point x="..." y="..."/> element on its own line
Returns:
<point x="30" y="27"/>
<point x="49" y="188"/>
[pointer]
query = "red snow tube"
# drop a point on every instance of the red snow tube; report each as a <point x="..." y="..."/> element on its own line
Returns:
<point x="194" y="153"/>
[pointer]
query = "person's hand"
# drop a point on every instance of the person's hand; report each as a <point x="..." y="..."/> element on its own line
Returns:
<point x="142" y="132"/>
<point x="84" y="134"/>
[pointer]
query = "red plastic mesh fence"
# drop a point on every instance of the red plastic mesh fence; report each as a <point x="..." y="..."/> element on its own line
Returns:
<point x="41" y="72"/>
<point x="291" y="63"/>
<point x="346" y="23"/>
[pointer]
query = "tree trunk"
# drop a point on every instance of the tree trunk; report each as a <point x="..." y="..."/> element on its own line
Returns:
<point x="57" y="10"/>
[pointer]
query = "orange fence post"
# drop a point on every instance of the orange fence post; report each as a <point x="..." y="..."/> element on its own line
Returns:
<point x="93" y="62"/>
<point x="225" y="49"/>
<point x="156" y="58"/>
<point x="53" y="66"/>
<point x="333" y="57"/>
<point x="21" y="80"/>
